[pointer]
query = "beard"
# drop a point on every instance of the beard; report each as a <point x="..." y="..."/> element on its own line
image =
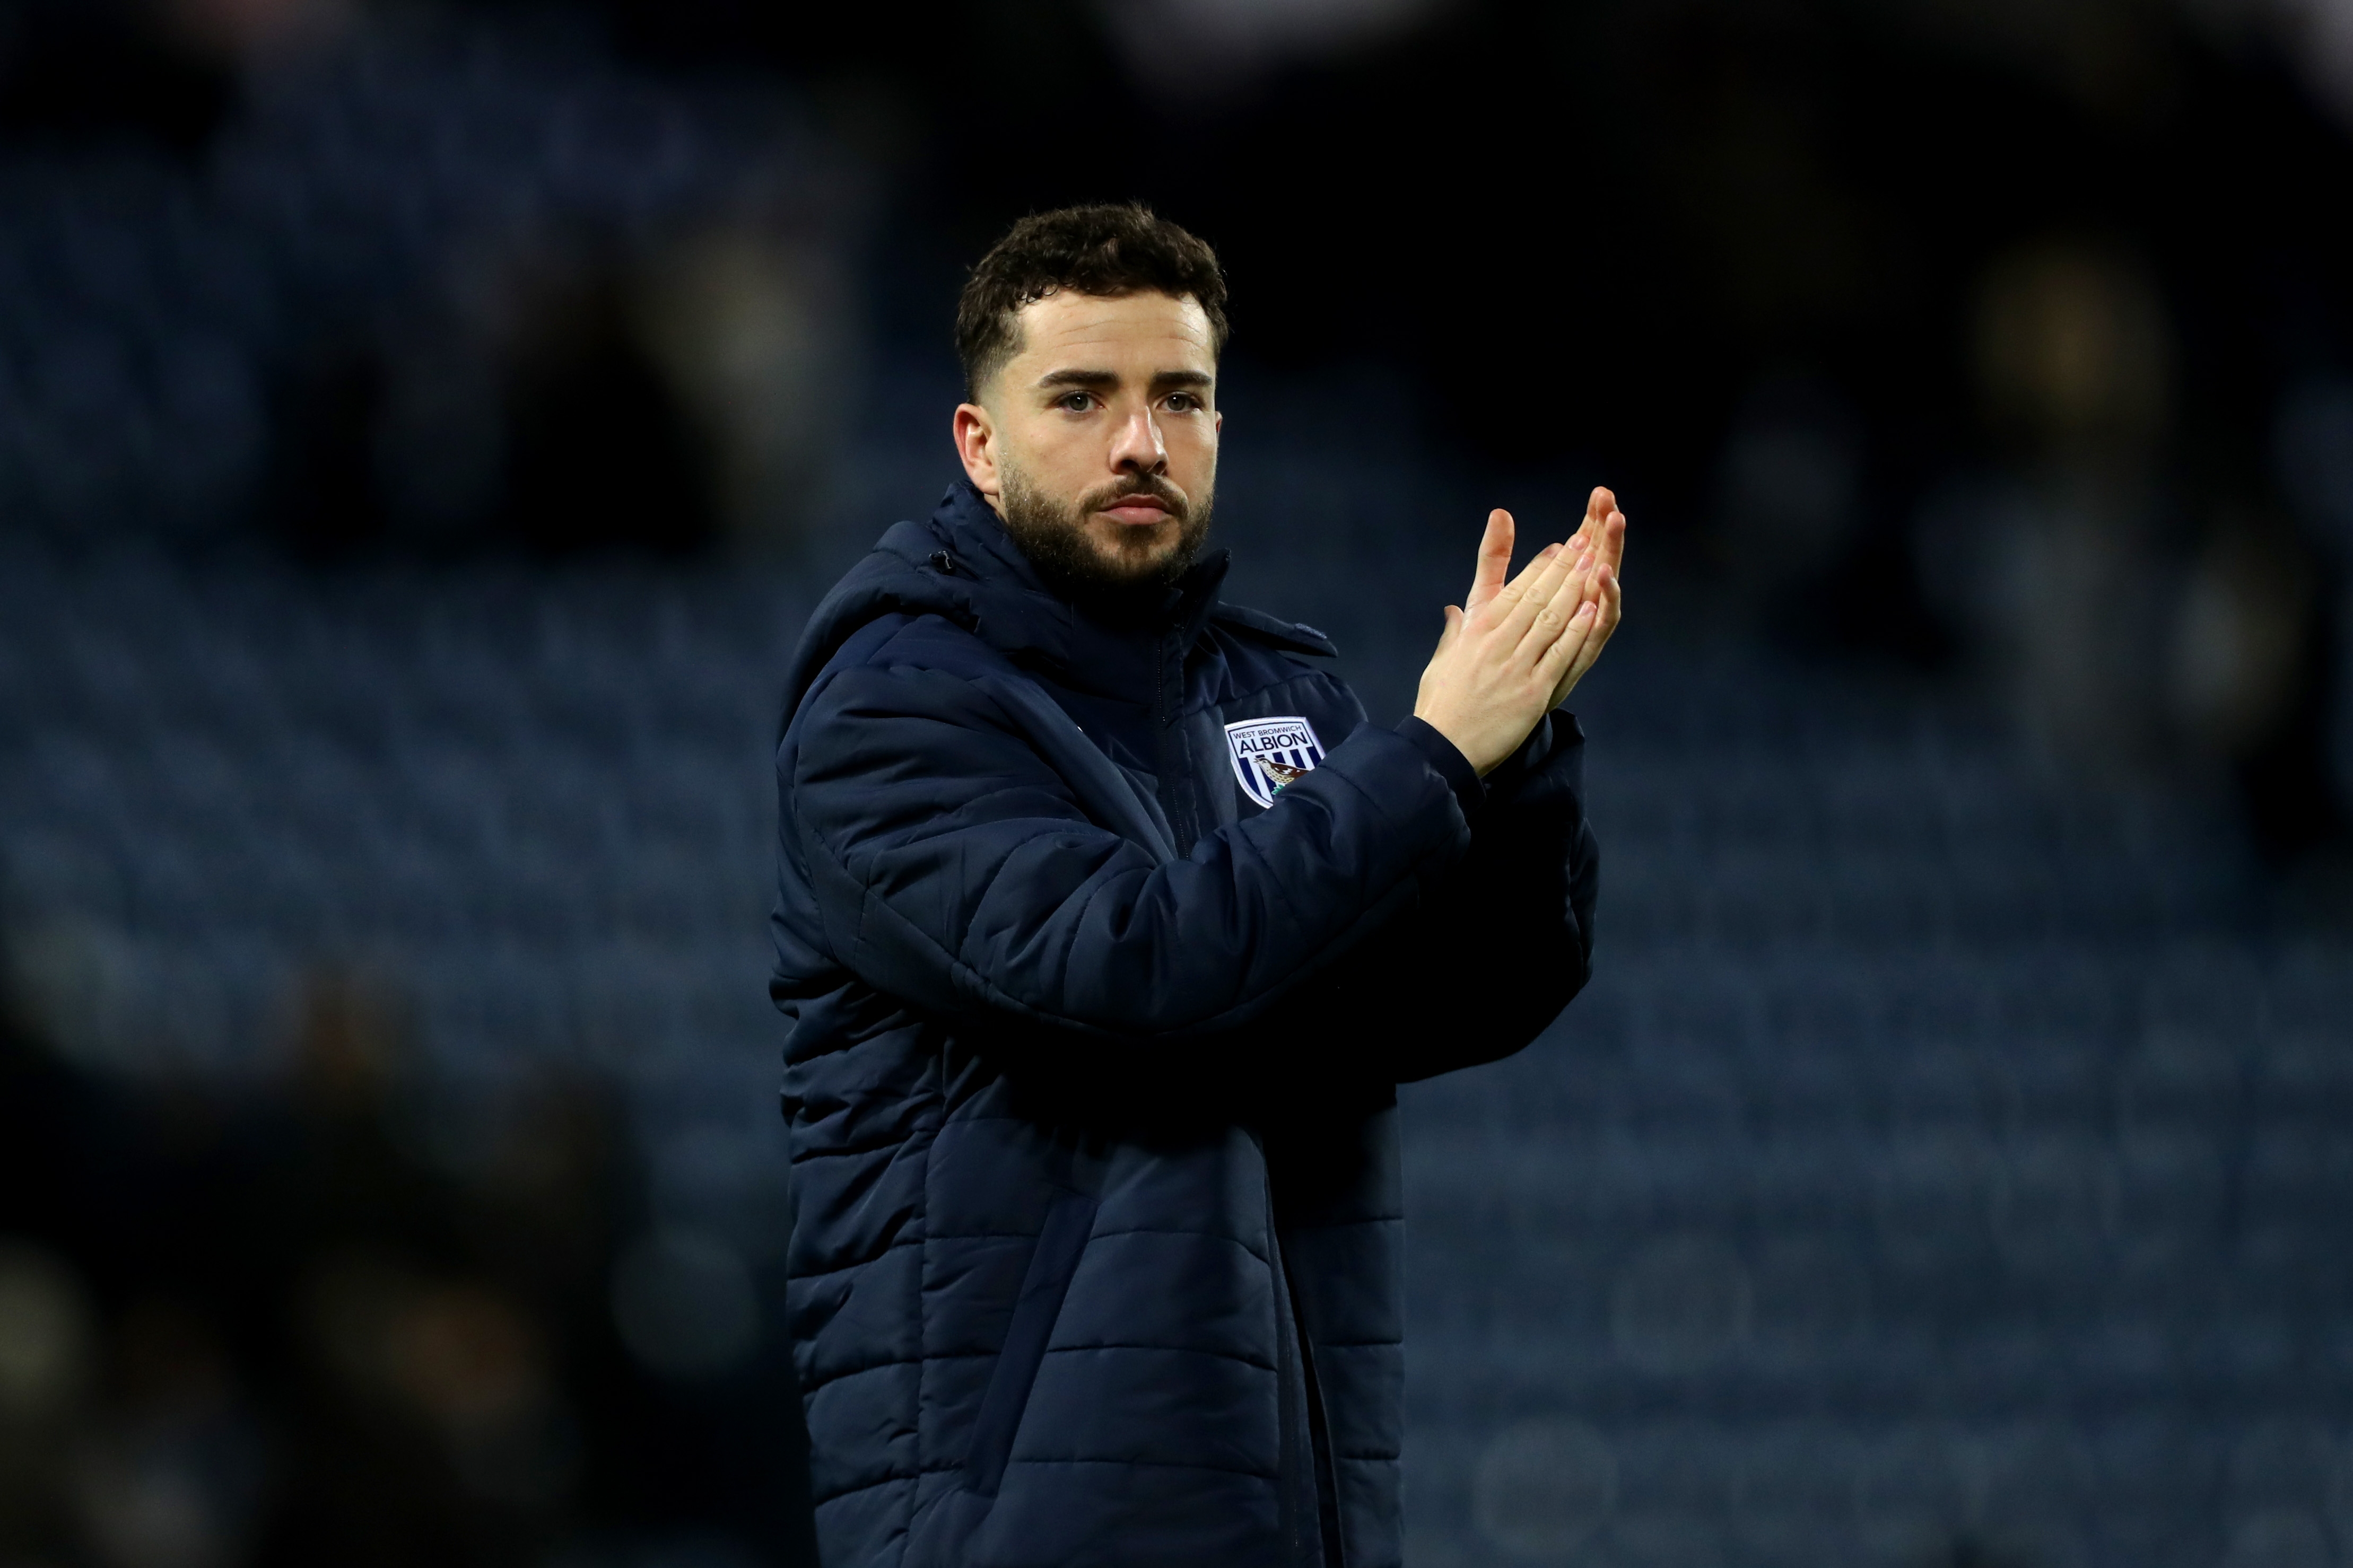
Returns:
<point x="1127" y="566"/>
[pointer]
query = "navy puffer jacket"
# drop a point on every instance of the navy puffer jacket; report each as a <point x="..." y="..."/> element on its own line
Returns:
<point x="1105" y="947"/>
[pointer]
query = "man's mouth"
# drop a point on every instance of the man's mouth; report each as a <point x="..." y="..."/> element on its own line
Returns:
<point x="1138" y="508"/>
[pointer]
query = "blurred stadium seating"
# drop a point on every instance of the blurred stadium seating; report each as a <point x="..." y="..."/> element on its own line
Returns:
<point x="1949" y="1164"/>
<point x="155" y="316"/>
<point x="1939" y="1156"/>
<point x="1922" y="1169"/>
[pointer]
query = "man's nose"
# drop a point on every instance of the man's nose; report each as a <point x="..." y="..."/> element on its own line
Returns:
<point x="1137" y="448"/>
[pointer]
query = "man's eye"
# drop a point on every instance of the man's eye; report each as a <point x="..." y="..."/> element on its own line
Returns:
<point x="1076" y="402"/>
<point x="1183" y="402"/>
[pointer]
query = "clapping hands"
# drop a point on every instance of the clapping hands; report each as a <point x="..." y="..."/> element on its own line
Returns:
<point x="1514" y="649"/>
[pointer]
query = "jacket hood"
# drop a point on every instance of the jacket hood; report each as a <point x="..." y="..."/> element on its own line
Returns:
<point x="961" y="565"/>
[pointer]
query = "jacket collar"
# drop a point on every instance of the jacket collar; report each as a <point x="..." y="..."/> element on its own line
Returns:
<point x="1020" y="617"/>
<point x="961" y="564"/>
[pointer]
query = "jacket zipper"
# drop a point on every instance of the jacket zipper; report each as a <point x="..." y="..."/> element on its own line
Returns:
<point x="1316" y="1506"/>
<point x="1176" y="771"/>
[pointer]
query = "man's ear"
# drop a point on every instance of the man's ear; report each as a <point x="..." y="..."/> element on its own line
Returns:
<point x="976" y="442"/>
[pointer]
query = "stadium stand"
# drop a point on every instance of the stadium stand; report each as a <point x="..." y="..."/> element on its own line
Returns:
<point x="1946" y="1165"/>
<point x="1938" y="1158"/>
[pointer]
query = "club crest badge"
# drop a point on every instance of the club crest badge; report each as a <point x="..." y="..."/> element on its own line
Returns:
<point x="1270" y="753"/>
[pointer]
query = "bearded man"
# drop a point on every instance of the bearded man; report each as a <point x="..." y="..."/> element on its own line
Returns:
<point x="1108" y="927"/>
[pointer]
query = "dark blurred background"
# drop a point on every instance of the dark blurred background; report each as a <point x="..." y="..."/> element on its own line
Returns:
<point x="424" y="427"/>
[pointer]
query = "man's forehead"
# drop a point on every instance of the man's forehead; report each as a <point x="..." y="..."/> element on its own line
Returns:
<point x="1149" y="323"/>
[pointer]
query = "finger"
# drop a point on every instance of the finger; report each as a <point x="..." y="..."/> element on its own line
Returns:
<point x="1494" y="560"/>
<point x="1584" y="565"/>
<point x="1596" y="562"/>
<point x="1606" y="540"/>
<point x="1593" y="571"/>
<point x="1521" y="586"/>
<point x="1604" y="528"/>
<point x="1554" y="663"/>
<point x="1611" y="536"/>
<point x="1552" y="619"/>
<point x="1609" y="611"/>
<point x="1516" y="609"/>
<point x="1451" y="633"/>
<point x="1597" y="507"/>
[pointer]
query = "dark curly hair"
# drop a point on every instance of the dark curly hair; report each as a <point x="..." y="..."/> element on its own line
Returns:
<point x="1105" y="250"/>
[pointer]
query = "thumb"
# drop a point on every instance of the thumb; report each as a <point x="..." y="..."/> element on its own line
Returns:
<point x="1454" y="621"/>
<point x="1495" y="558"/>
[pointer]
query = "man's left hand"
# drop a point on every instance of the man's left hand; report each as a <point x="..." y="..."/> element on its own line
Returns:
<point x="1604" y="530"/>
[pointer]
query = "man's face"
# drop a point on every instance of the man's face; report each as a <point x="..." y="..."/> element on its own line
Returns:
<point x="1097" y="441"/>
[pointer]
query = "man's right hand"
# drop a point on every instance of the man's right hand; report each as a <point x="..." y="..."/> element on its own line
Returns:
<point x="1516" y="653"/>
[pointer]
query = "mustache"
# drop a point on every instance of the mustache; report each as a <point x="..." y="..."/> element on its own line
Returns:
<point x="1152" y="485"/>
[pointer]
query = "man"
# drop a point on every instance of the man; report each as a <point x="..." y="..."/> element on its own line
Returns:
<point x="1108" y="927"/>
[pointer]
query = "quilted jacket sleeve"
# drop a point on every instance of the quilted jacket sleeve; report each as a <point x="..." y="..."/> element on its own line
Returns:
<point x="1505" y="941"/>
<point x="954" y="866"/>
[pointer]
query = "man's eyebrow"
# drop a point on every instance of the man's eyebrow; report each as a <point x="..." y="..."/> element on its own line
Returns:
<point x="1101" y="379"/>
